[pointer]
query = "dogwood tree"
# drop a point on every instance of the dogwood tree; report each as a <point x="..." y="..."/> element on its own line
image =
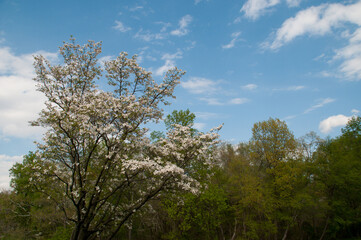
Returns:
<point x="96" y="161"/>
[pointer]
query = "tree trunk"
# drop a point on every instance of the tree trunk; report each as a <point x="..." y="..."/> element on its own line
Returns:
<point x="80" y="233"/>
<point x="235" y="229"/>
<point x="129" y="233"/>
<point x="285" y="234"/>
<point x="324" y="229"/>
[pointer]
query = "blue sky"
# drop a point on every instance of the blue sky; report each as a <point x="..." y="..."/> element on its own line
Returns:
<point x="246" y="60"/>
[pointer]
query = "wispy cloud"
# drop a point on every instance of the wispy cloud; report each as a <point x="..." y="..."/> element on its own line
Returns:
<point x="293" y="3"/>
<point x="351" y="56"/>
<point x="249" y="87"/>
<point x="165" y="26"/>
<point x="237" y="20"/>
<point x="177" y="55"/>
<point x="198" y="1"/>
<point x="255" y="8"/>
<point x="200" y="85"/>
<point x="291" y="88"/>
<point x="212" y="101"/>
<point x="206" y="115"/>
<point x="104" y="59"/>
<point x="136" y="8"/>
<point x="238" y="101"/>
<point x="121" y="27"/>
<point x="217" y="102"/>
<point x="235" y="38"/>
<point x="183" y="26"/>
<point x="169" y="62"/>
<point x="199" y="126"/>
<point x="149" y="36"/>
<point x="320" y="104"/>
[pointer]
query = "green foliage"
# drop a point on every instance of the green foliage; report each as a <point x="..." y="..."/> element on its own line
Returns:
<point x="198" y="216"/>
<point x="21" y="173"/>
<point x="338" y="168"/>
<point x="272" y="187"/>
<point x="181" y="117"/>
<point x="156" y="135"/>
<point x="62" y="233"/>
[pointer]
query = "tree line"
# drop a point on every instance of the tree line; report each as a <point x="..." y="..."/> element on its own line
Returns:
<point x="97" y="174"/>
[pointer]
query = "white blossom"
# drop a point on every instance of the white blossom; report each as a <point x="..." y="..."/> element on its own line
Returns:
<point x="96" y="144"/>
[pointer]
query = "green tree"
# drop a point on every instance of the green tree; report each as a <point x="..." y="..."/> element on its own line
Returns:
<point x="271" y="143"/>
<point x="249" y="196"/>
<point x="182" y="117"/>
<point x="274" y="151"/>
<point x="198" y="216"/>
<point x="35" y="215"/>
<point x="337" y="168"/>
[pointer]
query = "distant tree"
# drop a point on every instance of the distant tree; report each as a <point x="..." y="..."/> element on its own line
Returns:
<point x="337" y="168"/>
<point x="274" y="151"/>
<point x="271" y="143"/>
<point x="181" y="117"/>
<point x="34" y="213"/>
<point x="95" y="156"/>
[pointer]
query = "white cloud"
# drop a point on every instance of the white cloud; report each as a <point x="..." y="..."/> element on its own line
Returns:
<point x="249" y="87"/>
<point x="255" y="8"/>
<point x="290" y="117"/>
<point x="212" y="101"/>
<point x="321" y="20"/>
<point x="351" y="56"/>
<point x="104" y="59"/>
<point x="19" y="100"/>
<point x="168" y="56"/>
<point x="320" y="104"/>
<point x="198" y="1"/>
<point x="355" y="111"/>
<point x="148" y="36"/>
<point x="237" y="20"/>
<point x="169" y="62"/>
<point x="136" y="8"/>
<point x="199" y="126"/>
<point x="164" y="25"/>
<point x="217" y="102"/>
<point x="200" y="85"/>
<point x="291" y="88"/>
<point x="121" y="27"/>
<point x="334" y="121"/>
<point x="6" y="163"/>
<point x="206" y="115"/>
<point x="183" y="26"/>
<point x="295" y="88"/>
<point x="316" y="20"/>
<point x="235" y="38"/>
<point x="293" y="3"/>
<point x="238" y="101"/>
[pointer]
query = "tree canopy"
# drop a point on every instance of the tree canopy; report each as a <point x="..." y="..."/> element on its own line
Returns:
<point x="96" y="161"/>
